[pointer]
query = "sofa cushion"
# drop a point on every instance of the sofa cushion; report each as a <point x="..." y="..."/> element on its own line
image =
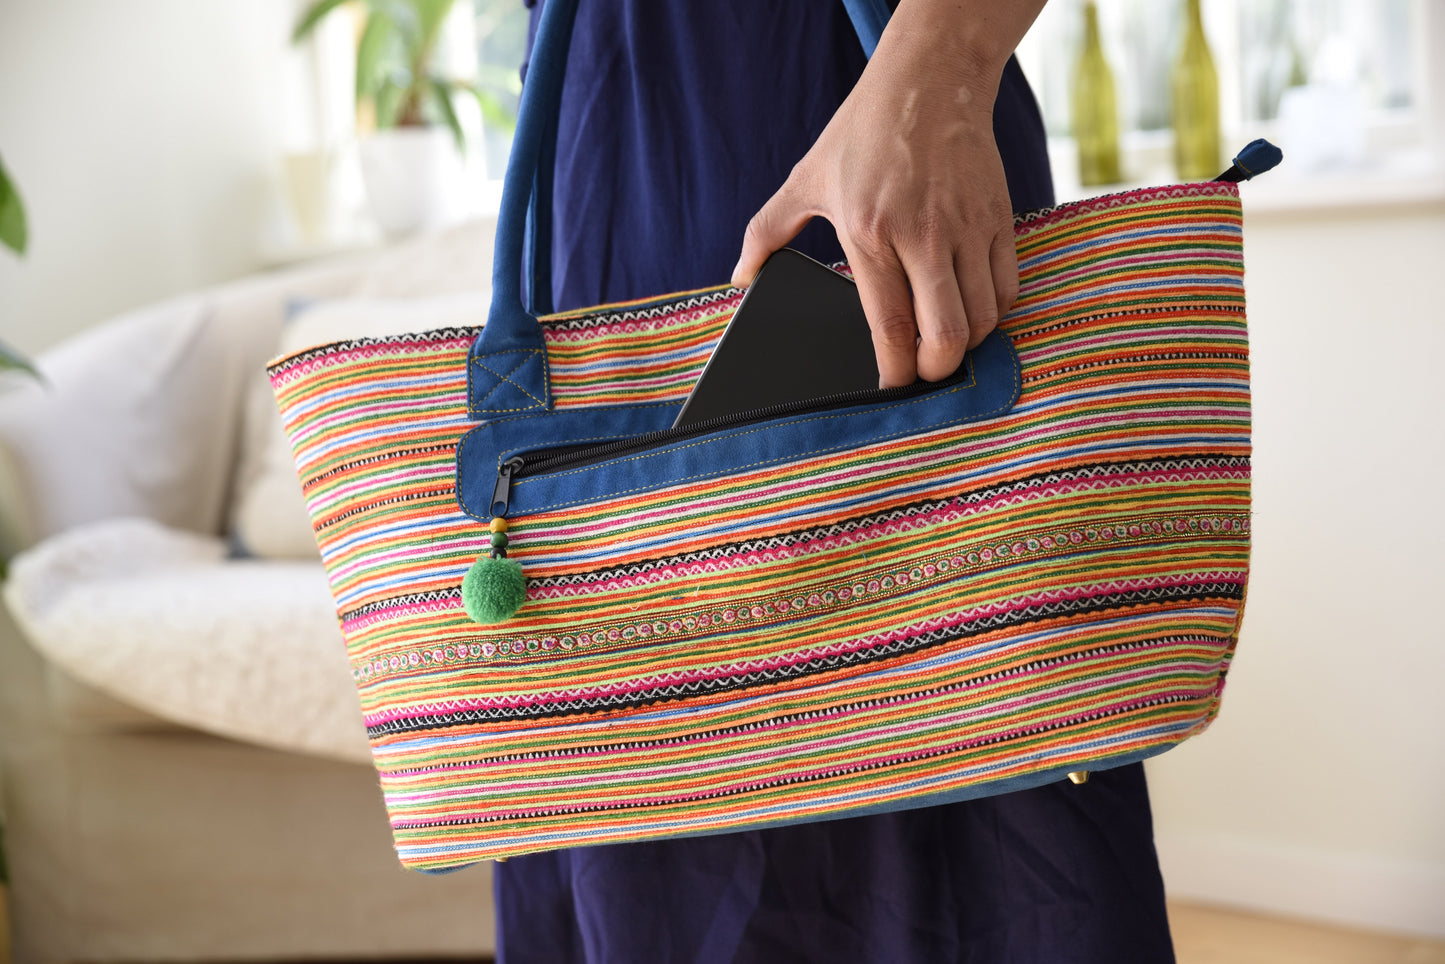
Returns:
<point x="269" y="516"/>
<point x="164" y="620"/>
<point x="126" y="422"/>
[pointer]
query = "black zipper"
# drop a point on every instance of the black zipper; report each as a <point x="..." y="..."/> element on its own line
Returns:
<point x="552" y="459"/>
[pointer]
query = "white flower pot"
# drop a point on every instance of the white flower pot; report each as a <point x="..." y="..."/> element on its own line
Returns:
<point x="413" y="177"/>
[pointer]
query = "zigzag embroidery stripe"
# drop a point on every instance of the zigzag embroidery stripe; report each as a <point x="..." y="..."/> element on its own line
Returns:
<point x="439" y="336"/>
<point x="666" y="309"/>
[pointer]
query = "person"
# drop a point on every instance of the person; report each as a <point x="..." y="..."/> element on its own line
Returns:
<point x="686" y="126"/>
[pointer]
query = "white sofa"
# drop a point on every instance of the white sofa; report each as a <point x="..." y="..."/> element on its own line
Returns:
<point x="184" y="770"/>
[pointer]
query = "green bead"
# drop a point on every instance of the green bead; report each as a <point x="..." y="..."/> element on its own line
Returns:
<point x="499" y="540"/>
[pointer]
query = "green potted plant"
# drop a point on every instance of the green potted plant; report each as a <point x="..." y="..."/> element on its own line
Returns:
<point x="13" y="235"/>
<point x="411" y="159"/>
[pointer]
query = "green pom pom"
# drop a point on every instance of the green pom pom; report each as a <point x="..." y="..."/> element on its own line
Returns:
<point x="493" y="589"/>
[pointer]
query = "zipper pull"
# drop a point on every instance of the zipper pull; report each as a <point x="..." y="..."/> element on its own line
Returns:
<point x="495" y="587"/>
<point x="1257" y="157"/>
<point x="503" y="491"/>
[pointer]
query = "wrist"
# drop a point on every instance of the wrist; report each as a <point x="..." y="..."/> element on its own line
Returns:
<point x="961" y="45"/>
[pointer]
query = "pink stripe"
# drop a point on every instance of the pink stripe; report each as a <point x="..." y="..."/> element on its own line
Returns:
<point x="660" y="323"/>
<point x="294" y="370"/>
<point x="763" y="494"/>
<point x="1168" y="194"/>
<point x="378" y="483"/>
<point x="1134" y="338"/>
<point x="603" y="386"/>
<point x="400" y="612"/>
<point x="1107" y="265"/>
<point x="353" y="413"/>
<point x="1044" y="351"/>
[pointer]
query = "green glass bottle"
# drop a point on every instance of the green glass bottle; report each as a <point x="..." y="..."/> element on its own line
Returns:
<point x="1194" y="87"/>
<point x="1095" y="117"/>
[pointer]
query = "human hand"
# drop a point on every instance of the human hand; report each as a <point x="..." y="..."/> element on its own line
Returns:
<point x="908" y="173"/>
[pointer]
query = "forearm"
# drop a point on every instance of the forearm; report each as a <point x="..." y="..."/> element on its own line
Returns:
<point x="957" y="46"/>
<point x="910" y="177"/>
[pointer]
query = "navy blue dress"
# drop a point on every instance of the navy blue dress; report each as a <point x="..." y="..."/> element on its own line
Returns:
<point x="679" y="119"/>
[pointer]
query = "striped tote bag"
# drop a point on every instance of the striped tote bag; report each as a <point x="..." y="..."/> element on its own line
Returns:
<point x="958" y="589"/>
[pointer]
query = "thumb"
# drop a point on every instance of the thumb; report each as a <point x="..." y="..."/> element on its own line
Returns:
<point x="771" y="228"/>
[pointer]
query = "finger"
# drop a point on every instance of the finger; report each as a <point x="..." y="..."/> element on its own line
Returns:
<point x="975" y="288"/>
<point x="943" y="324"/>
<point x="988" y="282"/>
<point x="883" y="288"/>
<point x="777" y="223"/>
<point x="1004" y="261"/>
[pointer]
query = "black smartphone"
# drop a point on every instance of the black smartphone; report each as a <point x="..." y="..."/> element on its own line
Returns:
<point x="799" y="334"/>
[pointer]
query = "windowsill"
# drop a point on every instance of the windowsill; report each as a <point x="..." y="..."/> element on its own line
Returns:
<point x="285" y="253"/>
<point x="1402" y="179"/>
<point x="482" y="200"/>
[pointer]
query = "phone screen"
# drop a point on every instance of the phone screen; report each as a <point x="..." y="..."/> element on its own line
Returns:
<point x="799" y="334"/>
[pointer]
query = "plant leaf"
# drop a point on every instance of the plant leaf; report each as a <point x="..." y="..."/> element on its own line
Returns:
<point x="494" y="112"/>
<point x="12" y="360"/>
<point x="388" y="103"/>
<point x="312" y="17"/>
<point x="431" y="14"/>
<point x="441" y="92"/>
<point x="376" y="56"/>
<point x="497" y="77"/>
<point x="403" y="15"/>
<point x="13" y="232"/>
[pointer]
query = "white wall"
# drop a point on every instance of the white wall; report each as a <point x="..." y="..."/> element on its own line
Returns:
<point x="1320" y="790"/>
<point x="144" y="137"/>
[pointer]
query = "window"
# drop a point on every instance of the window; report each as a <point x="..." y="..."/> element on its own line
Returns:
<point x="501" y="32"/>
<point x="1342" y="85"/>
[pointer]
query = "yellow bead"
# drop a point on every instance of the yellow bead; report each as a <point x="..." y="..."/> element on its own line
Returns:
<point x="498" y="525"/>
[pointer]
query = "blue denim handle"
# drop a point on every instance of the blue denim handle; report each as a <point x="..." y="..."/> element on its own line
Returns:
<point x="507" y="365"/>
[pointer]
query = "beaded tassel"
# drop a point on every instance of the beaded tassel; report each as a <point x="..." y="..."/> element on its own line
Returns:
<point x="494" y="587"/>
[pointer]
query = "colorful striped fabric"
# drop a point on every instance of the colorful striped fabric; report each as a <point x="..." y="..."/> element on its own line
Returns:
<point x="944" y="614"/>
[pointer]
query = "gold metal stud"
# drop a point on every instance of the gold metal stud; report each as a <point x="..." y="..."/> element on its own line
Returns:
<point x="1079" y="777"/>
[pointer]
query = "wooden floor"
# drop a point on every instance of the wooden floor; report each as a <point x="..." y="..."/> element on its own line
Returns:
<point x="1208" y="935"/>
